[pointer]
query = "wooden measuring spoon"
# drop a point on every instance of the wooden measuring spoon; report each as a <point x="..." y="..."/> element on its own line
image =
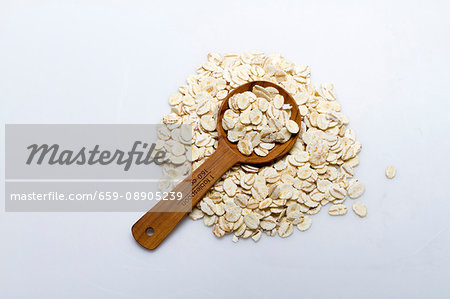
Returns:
<point x="156" y="225"/>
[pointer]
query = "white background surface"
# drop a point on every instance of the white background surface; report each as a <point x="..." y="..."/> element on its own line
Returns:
<point x="118" y="62"/>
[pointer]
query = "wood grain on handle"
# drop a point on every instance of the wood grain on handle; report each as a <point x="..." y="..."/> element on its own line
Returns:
<point x="203" y="178"/>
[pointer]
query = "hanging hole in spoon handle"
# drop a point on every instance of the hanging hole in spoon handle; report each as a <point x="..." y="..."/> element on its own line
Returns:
<point x="156" y="225"/>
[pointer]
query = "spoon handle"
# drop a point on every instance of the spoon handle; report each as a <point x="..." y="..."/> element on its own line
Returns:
<point x="203" y="178"/>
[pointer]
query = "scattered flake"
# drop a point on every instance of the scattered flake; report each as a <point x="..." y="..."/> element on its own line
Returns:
<point x="196" y="214"/>
<point x="356" y="189"/>
<point x="268" y="223"/>
<point x="305" y="224"/>
<point x="256" y="235"/>
<point x="359" y="208"/>
<point x="251" y="220"/>
<point x="217" y="231"/>
<point x="285" y="229"/>
<point x="390" y="172"/>
<point x="337" y="210"/>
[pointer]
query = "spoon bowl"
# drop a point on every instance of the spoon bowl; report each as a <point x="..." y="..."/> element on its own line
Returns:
<point x="280" y="149"/>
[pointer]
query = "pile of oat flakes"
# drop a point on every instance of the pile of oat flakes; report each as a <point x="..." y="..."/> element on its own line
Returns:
<point x="249" y="200"/>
